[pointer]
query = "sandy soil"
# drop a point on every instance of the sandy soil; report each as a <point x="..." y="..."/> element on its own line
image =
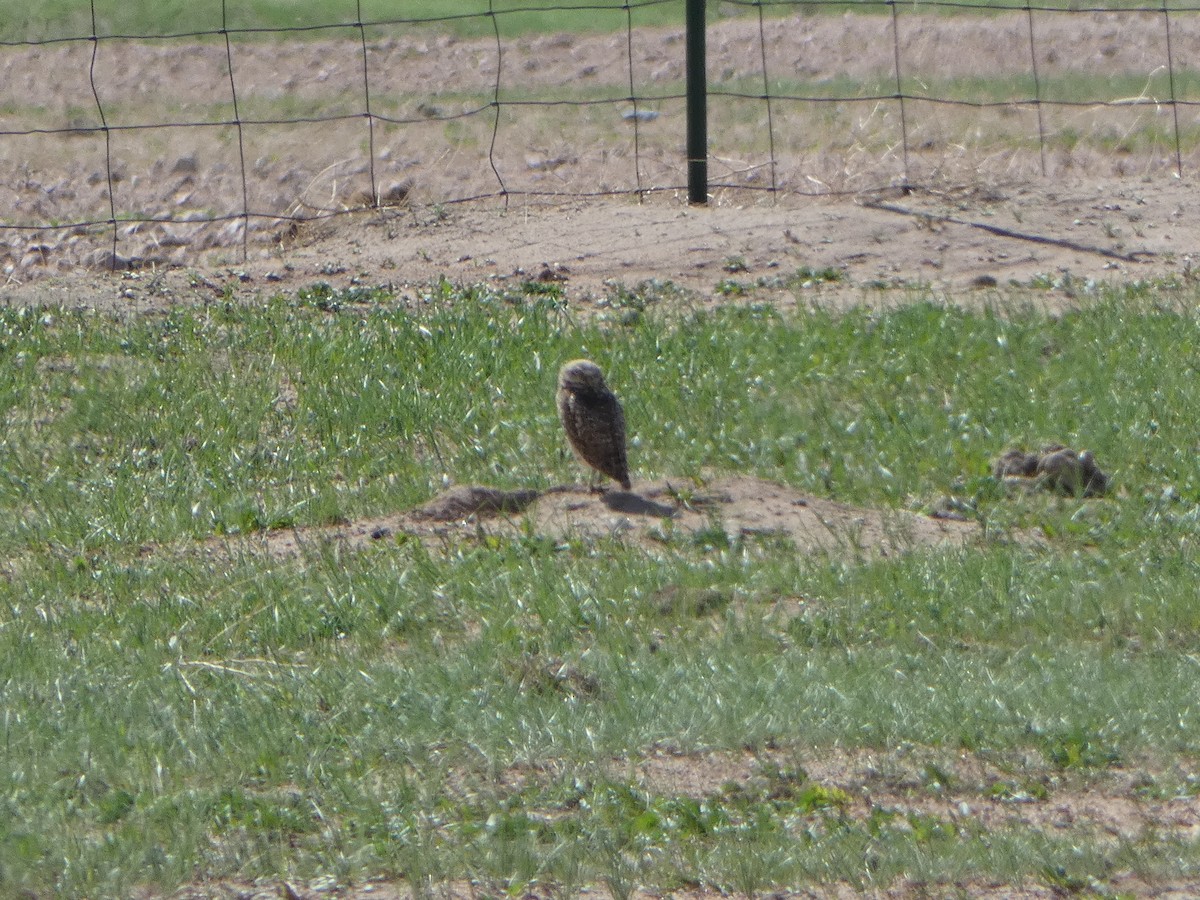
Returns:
<point x="652" y="515"/>
<point x="958" y="243"/>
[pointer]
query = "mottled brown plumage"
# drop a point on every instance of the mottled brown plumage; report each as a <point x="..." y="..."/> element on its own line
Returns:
<point x="592" y="417"/>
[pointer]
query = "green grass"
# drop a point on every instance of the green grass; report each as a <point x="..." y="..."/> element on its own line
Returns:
<point x="168" y="715"/>
<point x="56" y="18"/>
<point x="727" y="97"/>
<point x="1057" y="87"/>
<point x="69" y="18"/>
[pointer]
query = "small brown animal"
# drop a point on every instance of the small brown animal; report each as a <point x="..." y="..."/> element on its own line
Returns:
<point x="1016" y="462"/>
<point x="1073" y="473"/>
<point x="593" y="419"/>
<point x="1055" y="468"/>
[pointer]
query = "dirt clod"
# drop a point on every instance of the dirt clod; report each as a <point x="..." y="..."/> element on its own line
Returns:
<point x="474" y="500"/>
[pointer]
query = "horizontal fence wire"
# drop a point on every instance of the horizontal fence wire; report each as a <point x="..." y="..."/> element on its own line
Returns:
<point x="159" y="146"/>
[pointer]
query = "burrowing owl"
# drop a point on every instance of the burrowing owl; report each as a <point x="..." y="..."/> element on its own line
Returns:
<point x="592" y="418"/>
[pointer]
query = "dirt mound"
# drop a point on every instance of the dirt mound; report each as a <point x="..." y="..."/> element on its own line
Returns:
<point x="742" y="506"/>
<point x="716" y="513"/>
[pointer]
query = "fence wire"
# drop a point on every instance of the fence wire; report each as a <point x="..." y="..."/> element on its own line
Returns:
<point x="212" y="138"/>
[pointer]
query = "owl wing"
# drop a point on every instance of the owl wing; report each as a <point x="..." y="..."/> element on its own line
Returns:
<point x="620" y="471"/>
<point x="599" y="434"/>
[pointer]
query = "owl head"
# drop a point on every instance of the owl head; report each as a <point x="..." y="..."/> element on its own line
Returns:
<point x="581" y="375"/>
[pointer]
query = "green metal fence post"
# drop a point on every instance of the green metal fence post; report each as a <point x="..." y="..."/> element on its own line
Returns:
<point x="697" y="104"/>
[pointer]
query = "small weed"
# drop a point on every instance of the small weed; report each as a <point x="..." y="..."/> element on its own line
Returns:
<point x="813" y="797"/>
<point x="729" y="287"/>
<point x="1064" y="883"/>
<point x="320" y="296"/>
<point x="936" y="778"/>
<point x="1024" y="791"/>
<point x="712" y="537"/>
<point x="807" y="277"/>
<point x="550" y="290"/>
<point x="644" y="294"/>
<point x="1077" y="749"/>
<point x="247" y="518"/>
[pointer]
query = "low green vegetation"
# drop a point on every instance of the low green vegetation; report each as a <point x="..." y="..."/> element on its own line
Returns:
<point x="1133" y="91"/>
<point x="55" y="19"/>
<point x="328" y="18"/>
<point x="177" y="706"/>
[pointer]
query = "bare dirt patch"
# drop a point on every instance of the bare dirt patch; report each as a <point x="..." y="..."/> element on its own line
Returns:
<point x="724" y="509"/>
<point x="1099" y="231"/>
<point x="965" y="789"/>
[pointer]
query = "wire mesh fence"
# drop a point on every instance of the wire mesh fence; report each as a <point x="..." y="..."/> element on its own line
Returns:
<point x="126" y="147"/>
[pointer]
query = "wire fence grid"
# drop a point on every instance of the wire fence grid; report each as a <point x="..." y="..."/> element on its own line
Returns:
<point x="133" y="149"/>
